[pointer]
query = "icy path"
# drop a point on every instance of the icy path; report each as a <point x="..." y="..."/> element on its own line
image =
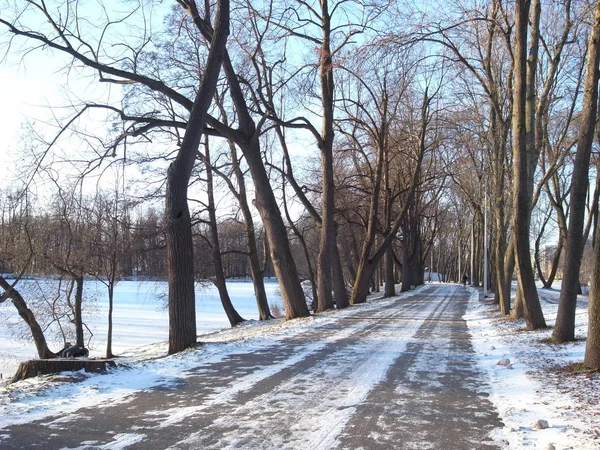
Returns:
<point x="398" y="375"/>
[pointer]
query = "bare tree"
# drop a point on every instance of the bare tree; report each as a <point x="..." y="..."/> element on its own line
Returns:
<point x="521" y="160"/>
<point x="110" y="245"/>
<point x="565" y="320"/>
<point x="37" y="333"/>
<point x="371" y="254"/>
<point x="232" y="314"/>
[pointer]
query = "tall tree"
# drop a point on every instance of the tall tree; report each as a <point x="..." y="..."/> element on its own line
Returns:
<point x="372" y="252"/>
<point x="521" y="160"/>
<point x="256" y="269"/>
<point x="565" y="320"/>
<point x="110" y="247"/>
<point x="180" y="258"/>
<point x="232" y="314"/>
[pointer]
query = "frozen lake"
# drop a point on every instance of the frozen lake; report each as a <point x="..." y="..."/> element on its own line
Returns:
<point x="140" y="316"/>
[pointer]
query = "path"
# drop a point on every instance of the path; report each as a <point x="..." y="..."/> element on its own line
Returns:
<point x="401" y="376"/>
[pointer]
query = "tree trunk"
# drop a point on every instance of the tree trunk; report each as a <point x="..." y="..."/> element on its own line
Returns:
<point x="522" y="198"/>
<point x="34" y="368"/>
<point x="518" y="311"/>
<point x="178" y="227"/>
<point x="364" y="276"/>
<point x="501" y="275"/>
<point x="509" y="268"/>
<point x="476" y="249"/>
<point x="180" y="262"/>
<point x="406" y="261"/>
<point x="339" y="286"/>
<point x="78" y="319"/>
<point x="565" y="320"/>
<point x="109" y="333"/>
<point x="256" y="271"/>
<point x="547" y="281"/>
<point x="555" y="262"/>
<point x="279" y="246"/>
<point x="500" y="135"/>
<point x="230" y="311"/>
<point x="257" y="275"/>
<point x="327" y="241"/>
<point x="390" y="282"/>
<point x="366" y="265"/>
<point x="592" y="344"/>
<point x="27" y="315"/>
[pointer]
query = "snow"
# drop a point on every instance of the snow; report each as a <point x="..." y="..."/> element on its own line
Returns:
<point x="527" y="389"/>
<point x="140" y="316"/>
<point x="120" y="442"/>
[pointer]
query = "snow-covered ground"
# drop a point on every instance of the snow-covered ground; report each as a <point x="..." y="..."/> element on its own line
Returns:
<point x="531" y="383"/>
<point x="530" y="388"/>
<point x="140" y="316"/>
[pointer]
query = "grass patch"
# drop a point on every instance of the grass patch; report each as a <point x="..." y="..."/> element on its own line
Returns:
<point x="551" y="340"/>
<point x="276" y="310"/>
<point x="577" y="368"/>
<point x="527" y="330"/>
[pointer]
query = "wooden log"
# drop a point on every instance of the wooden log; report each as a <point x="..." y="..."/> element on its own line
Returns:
<point x="35" y="367"/>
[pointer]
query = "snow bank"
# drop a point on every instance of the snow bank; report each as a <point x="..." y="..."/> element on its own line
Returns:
<point x="526" y="385"/>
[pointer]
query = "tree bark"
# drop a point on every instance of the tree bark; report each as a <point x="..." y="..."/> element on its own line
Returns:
<point x="279" y="246"/>
<point x="518" y="311"/>
<point x="256" y="271"/>
<point x="339" y="286"/>
<point x="111" y="296"/>
<point x="327" y="241"/>
<point x="554" y="268"/>
<point x="509" y="268"/>
<point x="565" y="320"/>
<point x="78" y="319"/>
<point x="390" y="281"/>
<point x="34" y="368"/>
<point x="232" y="315"/>
<point x="522" y="200"/>
<point x="500" y="136"/>
<point x="178" y="227"/>
<point x="247" y="138"/>
<point x="27" y="315"/>
<point x="367" y="264"/>
<point x="592" y="344"/>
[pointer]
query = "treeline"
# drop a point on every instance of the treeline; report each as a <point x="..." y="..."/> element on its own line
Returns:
<point x="95" y="232"/>
<point x="369" y="140"/>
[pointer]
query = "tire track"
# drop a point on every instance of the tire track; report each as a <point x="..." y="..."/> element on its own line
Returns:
<point x="433" y="396"/>
<point x="343" y="383"/>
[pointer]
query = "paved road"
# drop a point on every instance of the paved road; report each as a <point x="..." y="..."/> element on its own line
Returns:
<point x="402" y="376"/>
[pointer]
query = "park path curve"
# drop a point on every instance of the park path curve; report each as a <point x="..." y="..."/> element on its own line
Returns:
<point x="399" y="376"/>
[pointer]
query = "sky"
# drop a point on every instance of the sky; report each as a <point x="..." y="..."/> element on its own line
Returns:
<point x="13" y="111"/>
<point x="31" y="85"/>
<point x="28" y="89"/>
<point x="35" y="88"/>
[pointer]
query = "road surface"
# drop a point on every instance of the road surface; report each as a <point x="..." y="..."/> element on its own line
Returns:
<point x="399" y="376"/>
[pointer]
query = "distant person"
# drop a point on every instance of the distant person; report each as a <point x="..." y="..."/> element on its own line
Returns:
<point x="465" y="278"/>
